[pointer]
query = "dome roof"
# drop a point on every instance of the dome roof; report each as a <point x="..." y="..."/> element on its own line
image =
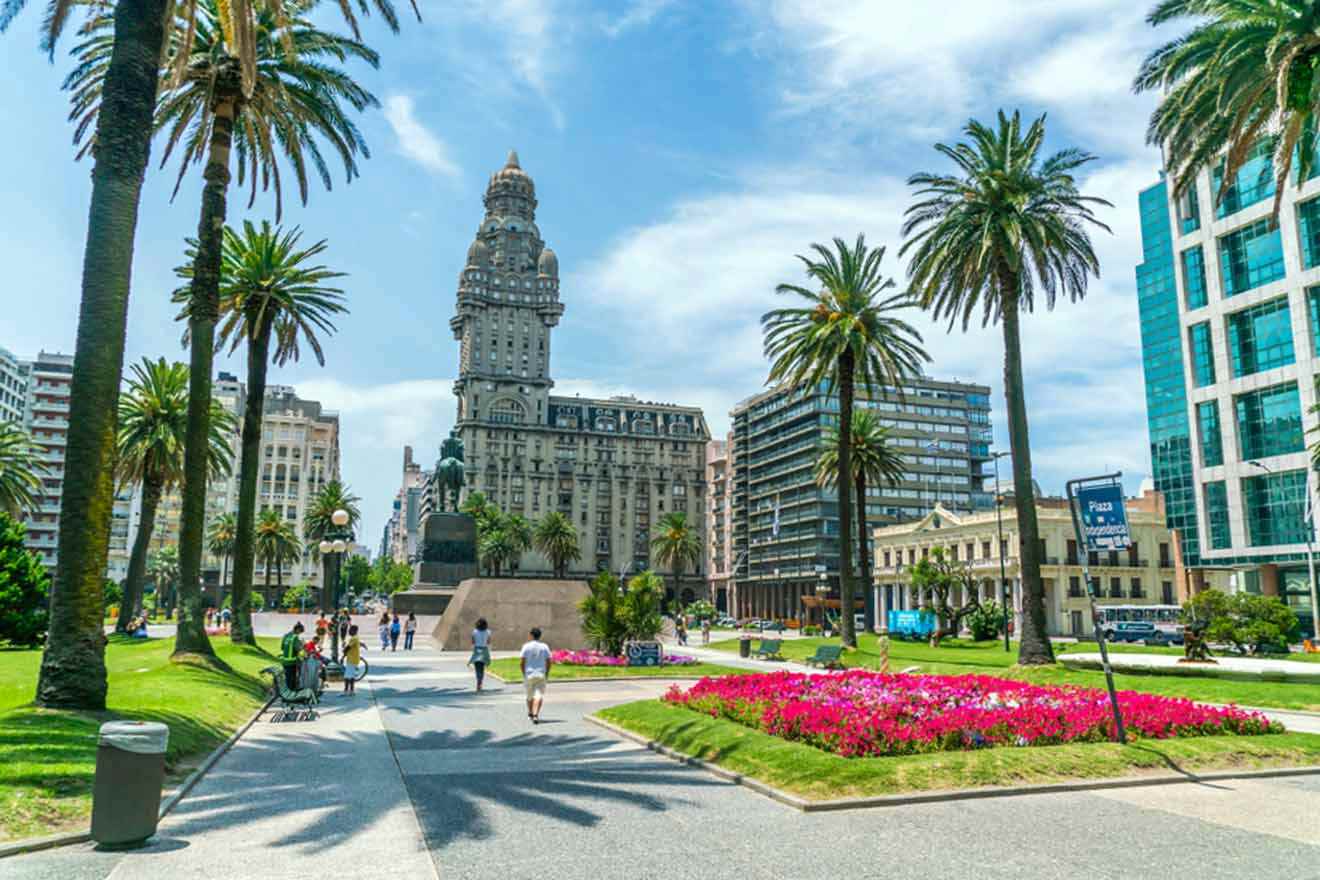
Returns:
<point x="478" y="254"/>
<point x="511" y="171"/>
<point x="548" y="265"/>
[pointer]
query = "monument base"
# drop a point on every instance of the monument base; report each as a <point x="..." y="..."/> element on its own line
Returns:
<point x="425" y="600"/>
<point x="512" y="606"/>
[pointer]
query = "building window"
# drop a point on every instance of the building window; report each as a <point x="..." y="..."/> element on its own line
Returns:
<point x="1275" y="508"/>
<point x="1071" y="552"/>
<point x="1166" y="592"/>
<point x="1136" y="589"/>
<point x="1165" y="561"/>
<point x="1216" y="514"/>
<point x="507" y="412"/>
<point x="1254" y="181"/>
<point x="1074" y="586"/>
<point x="1193" y="272"/>
<point x="1203" y="355"/>
<point x="971" y="551"/>
<point x="886" y="559"/>
<point x="1260" y="338"/>
<point x="1308" y="228"/>
<point x="1207" y="423"/>
<point x="1189" y="211"/>
<point x="1313" y="309"/>
<point x="1250" y="257"/>
<point x="1116" y="588"/>
<point x="1269" y="422"/>
<point x="985" y="549"/>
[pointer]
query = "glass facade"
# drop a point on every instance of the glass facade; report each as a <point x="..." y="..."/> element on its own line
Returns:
<point x="1193" y="272"/>
<point x="1254" y="181"/>
<point x="1313" y="309"/>
<point x="1260" y="338"/>
<point x="1189" y="212"/>
<point x="1269" y="422"/>
<point x="1308" y="229"/>
<point x="1275" y="508"/>
<point x="1203" y="354"/>
<point x="1250" y="257"/>
<point x="1216" y="516"/>
<point x="1207" y="426"/>
<point x="1162" y="363"/>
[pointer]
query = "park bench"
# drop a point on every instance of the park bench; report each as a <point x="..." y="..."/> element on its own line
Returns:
<point x="769" y="650"/>
<point x="295" y="705"/>
<point x="827" y="657"/>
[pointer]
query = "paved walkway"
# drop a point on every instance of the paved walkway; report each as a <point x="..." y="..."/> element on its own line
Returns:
<point x="420" y="778"/>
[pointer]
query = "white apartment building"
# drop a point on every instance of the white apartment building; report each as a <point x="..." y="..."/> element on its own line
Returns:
<point x="719" y="525"/>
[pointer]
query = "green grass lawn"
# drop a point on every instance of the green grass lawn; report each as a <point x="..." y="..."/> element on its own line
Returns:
<point x="507" y="669"/>
<point x="961" y="657"/>
<point x="48" y="757"/>
<point x="814" y="774"/>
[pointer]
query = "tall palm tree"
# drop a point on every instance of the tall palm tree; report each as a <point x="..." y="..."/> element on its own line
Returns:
<point x="520" y="537"/>
<point x="847" y="332"/>
<point x="318" y="525"/>
<point x="221" y="536"/>
<point x="73" y="667"/>
<point x="1246" y="70"/>
<point x="296" y="98"/>
<point x="1006" y="226"/>
<point x="163" y="569"/>
<point x="677" y="546"/>
<point x="276" y="544"/>
<point x="21" y="470"/>
<point x="497" y="546"/>
<point x="557" y="540"/>
<point x="873" y="462"/>
<point x="270" y="292"/>
<point x="153" y="418"/>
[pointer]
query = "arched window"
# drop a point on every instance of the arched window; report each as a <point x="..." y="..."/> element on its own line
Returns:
<point x="507" y="412"/>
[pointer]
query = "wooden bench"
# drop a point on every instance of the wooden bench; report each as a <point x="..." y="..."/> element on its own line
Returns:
<point x="295" y="705"/>
<point x="770" y="650"/>
<point x="827" y="657"/>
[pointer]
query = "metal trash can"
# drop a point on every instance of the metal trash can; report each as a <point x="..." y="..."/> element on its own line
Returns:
<point x="130" y="771"/>
<point x="744" y="648"/>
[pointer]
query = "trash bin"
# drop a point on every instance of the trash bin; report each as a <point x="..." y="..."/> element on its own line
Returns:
<point x="744" y="648"/>
<point x="130" y="771"/>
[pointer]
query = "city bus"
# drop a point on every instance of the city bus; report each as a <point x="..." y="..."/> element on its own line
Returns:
<point x="1130" y="623"/>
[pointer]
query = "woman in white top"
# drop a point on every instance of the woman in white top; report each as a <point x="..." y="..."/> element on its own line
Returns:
<point x="480" y="650"/>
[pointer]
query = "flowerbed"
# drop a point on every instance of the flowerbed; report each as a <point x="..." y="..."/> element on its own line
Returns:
<point x="859" y="713"/>
<point x="597" y="658"/>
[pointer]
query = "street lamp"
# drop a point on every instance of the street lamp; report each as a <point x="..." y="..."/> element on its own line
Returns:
<point x="999" y="525"/>
<point x="823" y="591"/>
<point x="334" y="544"/>
<point x="1308" y="518"/>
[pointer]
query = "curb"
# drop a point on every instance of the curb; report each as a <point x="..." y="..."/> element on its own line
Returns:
<point x="36" y="844"/>
<point x="960" y="794"/>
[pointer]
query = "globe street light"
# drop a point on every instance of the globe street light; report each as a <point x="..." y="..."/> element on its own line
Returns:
<point x="335" y="545"/>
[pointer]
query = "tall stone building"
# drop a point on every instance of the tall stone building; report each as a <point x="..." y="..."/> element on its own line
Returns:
<point x="615" y="466"/>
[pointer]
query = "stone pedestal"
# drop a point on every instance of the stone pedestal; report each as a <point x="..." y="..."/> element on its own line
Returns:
<point x="512" y="606"/>
<point x="430" y="602"/>
<point x="449" y="556"/>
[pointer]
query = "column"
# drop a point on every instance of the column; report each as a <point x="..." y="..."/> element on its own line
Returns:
<point x="882" y="608"/>
<point x="1017" y="606"/>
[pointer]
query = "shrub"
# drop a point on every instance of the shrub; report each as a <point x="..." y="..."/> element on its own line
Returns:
<point x="986" y="622"/>
<point x="111" y="594"/>
<point x="24" y="585"/>
<point x="1247" y="621"/>
<point x="701" y="610"/>
<point x="297" y="595"/>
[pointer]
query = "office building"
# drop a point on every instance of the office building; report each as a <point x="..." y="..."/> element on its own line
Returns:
<point x="14" y="375"/>
<point x="719" y="525"/>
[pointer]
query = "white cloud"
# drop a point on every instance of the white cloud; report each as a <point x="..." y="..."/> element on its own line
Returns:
<point x="416" y="141"/>
<point x="532" y="36"/>
<point x="639" y="14"/>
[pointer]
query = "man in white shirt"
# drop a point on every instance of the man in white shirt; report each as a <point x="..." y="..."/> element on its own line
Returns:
<point x="535" y="665"/>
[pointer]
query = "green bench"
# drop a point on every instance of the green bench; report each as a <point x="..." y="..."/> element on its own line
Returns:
<point x="769" y="650"/>
<point x="826" y="657"/>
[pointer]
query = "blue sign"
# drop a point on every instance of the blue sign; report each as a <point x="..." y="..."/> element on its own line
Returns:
<point x="644" y="653"/>
<point x="1104" y="521"/>
<point x="911" y="624"/>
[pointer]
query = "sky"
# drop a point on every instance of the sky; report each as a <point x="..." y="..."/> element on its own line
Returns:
<point x="684" y="151"/>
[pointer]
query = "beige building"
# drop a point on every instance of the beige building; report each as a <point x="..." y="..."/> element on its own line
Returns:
<point x="720" y="559"/>
<point x="1150" y="572"/>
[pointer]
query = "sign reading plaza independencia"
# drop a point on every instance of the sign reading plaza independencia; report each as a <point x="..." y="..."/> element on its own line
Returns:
<point x="1104" y="521"/>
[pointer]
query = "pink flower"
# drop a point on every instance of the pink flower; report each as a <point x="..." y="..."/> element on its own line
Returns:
<point x="597" y="658"/>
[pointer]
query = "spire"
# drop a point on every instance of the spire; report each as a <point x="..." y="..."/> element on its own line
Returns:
<point x="512" y="161"/>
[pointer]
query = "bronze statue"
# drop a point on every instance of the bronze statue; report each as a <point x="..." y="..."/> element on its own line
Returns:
<point x="449" y="472"/>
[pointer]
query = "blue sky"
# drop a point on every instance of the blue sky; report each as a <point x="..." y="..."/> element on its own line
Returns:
<point x="683" y="152"/>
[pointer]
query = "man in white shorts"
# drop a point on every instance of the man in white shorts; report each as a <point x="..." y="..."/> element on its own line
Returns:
<point x="535" y="665"/>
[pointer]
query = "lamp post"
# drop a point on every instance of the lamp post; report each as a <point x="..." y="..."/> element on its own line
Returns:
<point x="1309" y="519"/>
<point x="822" y="592"/>
<point x="335" y="544"/>
<point x="999" y="526"/>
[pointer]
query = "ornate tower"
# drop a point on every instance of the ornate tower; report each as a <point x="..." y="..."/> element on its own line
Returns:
<point x="508" y="301"/>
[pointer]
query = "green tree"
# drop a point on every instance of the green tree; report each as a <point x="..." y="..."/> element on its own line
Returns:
<point x="1006" y="227"/>
<point x="847" y="332"/>
<point x="1249" y="622"/>
<point x="939" y="580"/>
<point x="153" y="421"/>
<point x="357" y="574"/>
<point x="641" y="607"/>
<point x="297" y="597"/>
<point x="318" y="526"/>
<point x="113" y="595"/>
<point x="497" y="546"/>
<point x="24" y="584"/>
<point x="557" y="540"/>
<point x="602" y="614"/>
<point x="1244" y="71"/>
<point x="270" y="291"/>
<point x="21" y="470"/>
<point x="520" y="537"/>
<point x="221" y="536"/>
<point x="277" y="544"/>
<point x="676" y="546"/>
<point x="163" y="569"/>
<point x="987" y="621"/>
<point x="481" y="509"/>
<point x="399" y="578"/>
<point x="874" y="462"/>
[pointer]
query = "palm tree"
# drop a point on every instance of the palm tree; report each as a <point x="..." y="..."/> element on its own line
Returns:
<point x="276" y="544"/>
<point x="21" y="470"/>
<point x="479" y="507"/>
<point x="497" y="546"/>
<point x="873" y="461"/>
<point x="1009" y="224"/>
<point x="677" y="546"/>
<point x="73" y="666"/>
<point x="520" y="537"/>
<point x="557" y="540"/>
<point x="153" y="418"/>
<point x="1245" y="71"/>
<point x="270" y="292"/>
<point x="847" y="332"/>
<point x="163" y="569"/>
<point x="319" y="525"/>
<point x="221" y="536"/>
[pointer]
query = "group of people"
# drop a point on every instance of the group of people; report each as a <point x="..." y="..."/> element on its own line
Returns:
<point x="389" y="626"/>
<point x="534" y="661"/>
<point x="218" y="618"/>
<point x="295" y="651"/>
<point x="681" y="630"/>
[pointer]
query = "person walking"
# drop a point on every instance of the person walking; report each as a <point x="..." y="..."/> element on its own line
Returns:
<point x="480" y="658"/>
<point x="383" y="630"/>
<point x="535" y="665"/>
<point x="680" y="628"/>
<point x="224" y="619"/>
<point x="291" y="652"/>
<point x="409" y="630"/>
<point x="395" y="629"/>
<point x="343" y="622"/>
<point x="353" y="649"/>
<point x="705" y="631"/>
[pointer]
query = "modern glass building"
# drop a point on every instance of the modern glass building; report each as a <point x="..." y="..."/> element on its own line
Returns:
<point x="786" y="528"/>
<point x="1230" y="330"/>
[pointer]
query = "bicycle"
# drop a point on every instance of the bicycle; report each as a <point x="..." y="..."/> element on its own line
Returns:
<point x="363" y="666"/>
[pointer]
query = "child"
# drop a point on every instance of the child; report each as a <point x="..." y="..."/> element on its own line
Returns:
<point x="352" y="658"/>
<point x="383" y="630"/>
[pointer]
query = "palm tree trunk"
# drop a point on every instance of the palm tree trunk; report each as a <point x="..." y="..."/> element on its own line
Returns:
<point x="249" y="465"/>
<point x="265" y="566"/>
<point x="137" y="560"/>
<point x="847" y="629"/>
<point x="73" y="664"/>
<point x="863" y="554"/>
<point x="204" y="311"/>
<point x="224" y="576"/>
<point x="1034" y="647"/>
